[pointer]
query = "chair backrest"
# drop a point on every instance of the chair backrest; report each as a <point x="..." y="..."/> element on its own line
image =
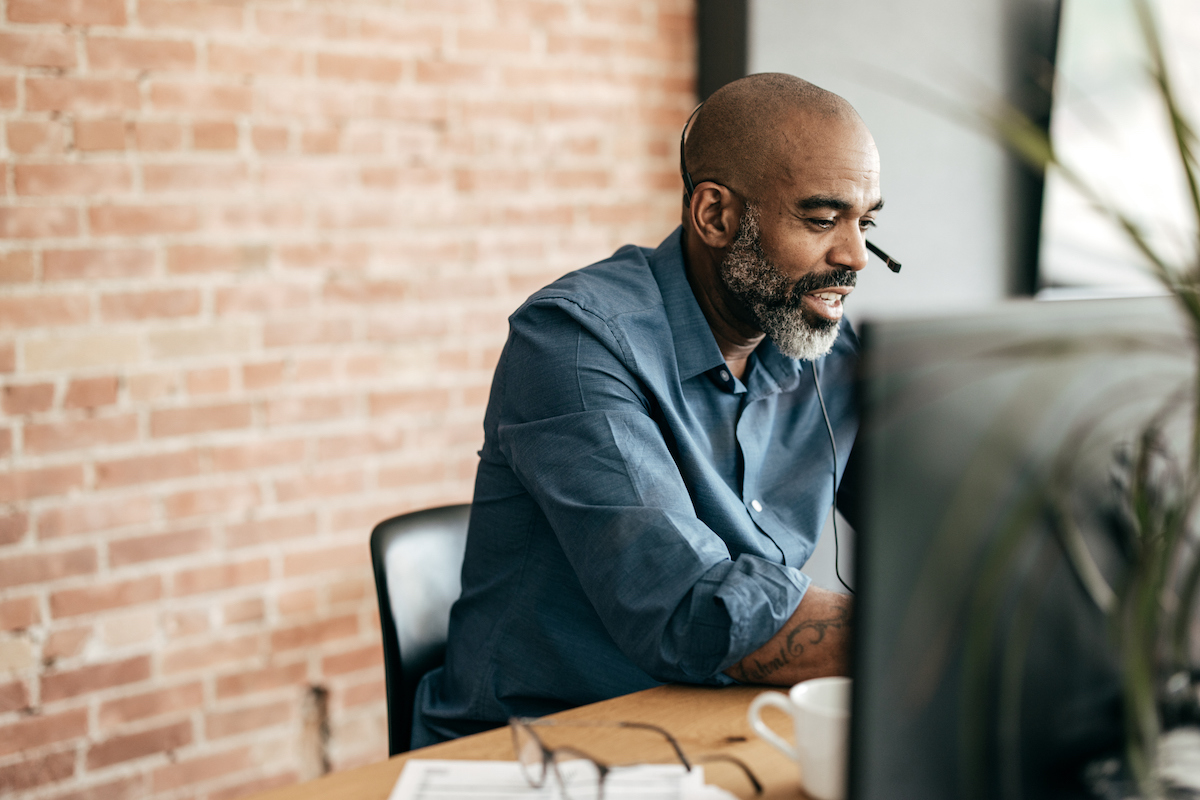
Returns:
<point x="418" y="564"/>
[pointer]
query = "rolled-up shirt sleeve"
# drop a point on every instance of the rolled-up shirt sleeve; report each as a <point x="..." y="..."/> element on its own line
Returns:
<point x="585" y="437"/>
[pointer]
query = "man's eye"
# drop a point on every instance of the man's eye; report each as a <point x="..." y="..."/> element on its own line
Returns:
<point x="823" y="224"/>
<point x="866" y="224"/>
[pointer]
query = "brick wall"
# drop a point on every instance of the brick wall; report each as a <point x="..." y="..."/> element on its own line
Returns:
<point x="255" y="262"/>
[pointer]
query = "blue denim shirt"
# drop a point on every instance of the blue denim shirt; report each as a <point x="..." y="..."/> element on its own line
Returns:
<point x="640" y="515"/>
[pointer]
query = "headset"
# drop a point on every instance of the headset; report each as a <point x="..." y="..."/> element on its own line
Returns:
<point x="689" y="187"/>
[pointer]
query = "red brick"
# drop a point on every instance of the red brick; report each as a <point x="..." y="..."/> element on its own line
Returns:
<point x="138" y="745"/>
<point x="290" y="25"/>
<point x="269" y="138"/>
<point x="328" y="484"/>
<point x="72" y="179"/>
<point x="255" y="786"/>
<point x="328" y="558"/>
<point x="158" y="136"/>
<point x="171" y="700"/>
<point x="301" y="602"/>
<point x="19" y="50"/>
<point x="43" y="729"/>
<point x="448" y="72"/>
<point x="270" y="530"/>
<point x="68" y="12"/>
<point x="214" y="136"/>
<point x="201" y="15"/>
<point x="91" y="392"/>
<point x="214" y="99"/>
<point x="193" y="177"/>
<point x="38" y="223"/>
<point x="18" y="613"/>
<point x="257" y="455"/>
<point x="311" y="409"/>
<point x="45" y="567"/>
<point x="93" y="599"/>
<point x="38" y="771"/>
<point x="96" y="515"/>
<point x="142" y="220"/>
<point x="45" y="482"/>
<point x="424" y="400"/>
<point x="366" y="292"/>
<point x="313" y="634"/>
<point x="263" y="376"/>
<point x="325" y="256"/>
<point x="100" y="134"/>
<point x="5" y="442"/>
<point x="13" y="527"/>
<point x="8" y="92"/>
<point x="255" y="61"/>
<point x="261" y="680"/>
<point x="13" y="697"/>
<point x="222" y="576"/>
<point x="218" y="500"/>
<point x="74" y="265"/>
<point x="370" y="657"/>
<point x="133" y="788"/>
<point x="81" y="434"/>
<point x="374" y="691"/>
<point x="199" y="769"/>
<point x="210" y="654"/>
<point x="358" y="444"/>
<point x="80" y="94"/>
<point x="94" y="677"/>
<point x="29" y="398"/>
<point x="190" y="260"/>
<point x="252" y="610"/>
<point x="494" y="40"/>
<point x="146" y="469"/>
<point x="231" y="723"/>
<point x="66" y="643"/>
<point x="16" y="267"/>
<point x="164" y="303"/>
<point x="261" y="299"/>
<point x="140" y="54"/>
<point x="288" y="334"/>
<point x="182" y="624"/>
<point x="43" y="311"/>
<point x="208" y="381"/>
<point x="201" y="419"/>
<point x="159" y="545"/>
<point x="358" y="68"/>
<point x="36" y="137"/>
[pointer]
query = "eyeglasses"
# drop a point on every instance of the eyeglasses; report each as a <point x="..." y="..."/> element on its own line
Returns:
<point x="579" y="775"/>
<point x="689" y="188"/>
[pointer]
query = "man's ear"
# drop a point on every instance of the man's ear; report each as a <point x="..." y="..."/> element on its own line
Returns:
<point x="715" y="214"/>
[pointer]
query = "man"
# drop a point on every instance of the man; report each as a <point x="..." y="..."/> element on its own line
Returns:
<point x="656" y="466"/>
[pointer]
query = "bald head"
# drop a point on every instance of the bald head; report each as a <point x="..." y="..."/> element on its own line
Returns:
<point x="747" y="131"/>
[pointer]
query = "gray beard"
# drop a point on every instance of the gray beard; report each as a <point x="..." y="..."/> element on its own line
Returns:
<point x="774" y="301"/>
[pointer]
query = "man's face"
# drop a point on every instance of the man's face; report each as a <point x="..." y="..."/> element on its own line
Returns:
<point x="798" y="250"/>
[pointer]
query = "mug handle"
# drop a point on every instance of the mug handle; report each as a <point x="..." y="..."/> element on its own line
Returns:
<point x="780" y="701"/>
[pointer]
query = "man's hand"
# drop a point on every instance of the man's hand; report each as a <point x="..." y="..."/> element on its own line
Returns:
<point x="814" y="643"/>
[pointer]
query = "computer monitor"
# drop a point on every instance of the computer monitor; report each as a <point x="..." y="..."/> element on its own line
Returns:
<point x="965" y="418"/>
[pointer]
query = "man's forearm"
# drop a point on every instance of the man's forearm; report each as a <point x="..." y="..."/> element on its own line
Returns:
<point x="814" y="643"/>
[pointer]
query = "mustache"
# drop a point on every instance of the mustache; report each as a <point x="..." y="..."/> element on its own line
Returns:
<point x="815" y="281"/>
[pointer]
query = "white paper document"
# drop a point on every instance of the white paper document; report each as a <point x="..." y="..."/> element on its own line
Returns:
<point x="475" y="780"/>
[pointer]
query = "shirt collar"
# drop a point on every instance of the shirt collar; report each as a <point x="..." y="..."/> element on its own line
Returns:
<point x="696" y="349"/>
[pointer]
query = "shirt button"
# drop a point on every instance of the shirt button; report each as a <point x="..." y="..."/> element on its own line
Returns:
<point x="724" y="375"/>
<point x="757" y="506"/>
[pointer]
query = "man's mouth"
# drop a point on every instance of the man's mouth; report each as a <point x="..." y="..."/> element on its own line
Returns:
<point x="826" y="303"/>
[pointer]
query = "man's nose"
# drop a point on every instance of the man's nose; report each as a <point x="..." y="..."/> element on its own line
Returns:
<point x="850" y="251"/>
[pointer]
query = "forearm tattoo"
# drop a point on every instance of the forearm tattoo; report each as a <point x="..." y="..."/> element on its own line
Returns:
<point x="806" y="634"/>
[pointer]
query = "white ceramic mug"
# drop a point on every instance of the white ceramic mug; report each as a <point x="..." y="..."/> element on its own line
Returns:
<point x="820" y="711"/>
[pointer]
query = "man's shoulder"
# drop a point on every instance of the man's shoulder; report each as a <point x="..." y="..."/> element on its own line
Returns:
<point x="622" y="283"/>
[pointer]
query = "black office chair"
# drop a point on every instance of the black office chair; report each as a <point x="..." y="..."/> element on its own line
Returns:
<point x="418" y="564"/>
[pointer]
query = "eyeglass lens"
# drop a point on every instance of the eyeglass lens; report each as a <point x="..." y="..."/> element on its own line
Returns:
<point x="530" y="755"/>
<point x="579" y="778"/>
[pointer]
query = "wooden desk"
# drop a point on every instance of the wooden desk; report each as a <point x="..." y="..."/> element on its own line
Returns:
<point x="704" y="720"/>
